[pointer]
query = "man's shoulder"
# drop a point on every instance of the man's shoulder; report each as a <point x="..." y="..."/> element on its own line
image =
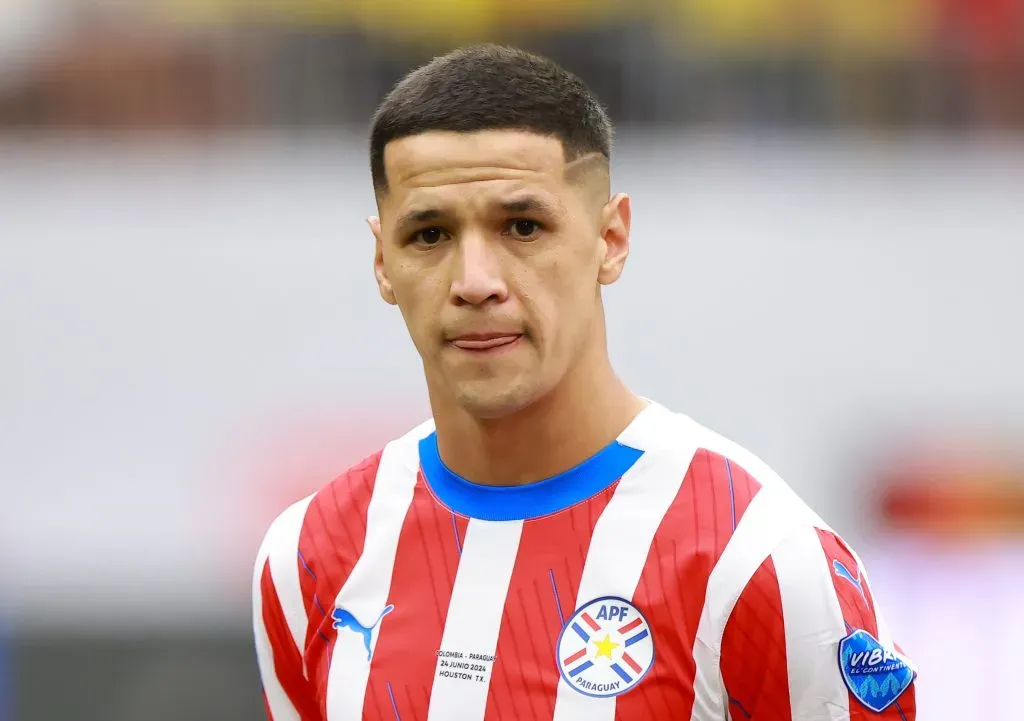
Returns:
<point x="345" y="498"/>
<point x="706" y="443"/>
<point x="726" y="468"/>
<point x="398" y="455"/>
<point x="668" y="429"/>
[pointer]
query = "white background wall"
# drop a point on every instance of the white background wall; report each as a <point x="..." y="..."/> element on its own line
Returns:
<point x="190" y="336"/>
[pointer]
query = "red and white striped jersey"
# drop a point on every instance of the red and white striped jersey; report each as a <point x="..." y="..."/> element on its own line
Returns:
<point x="671" y="576"/>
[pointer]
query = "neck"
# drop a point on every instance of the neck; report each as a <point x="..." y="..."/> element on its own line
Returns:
<point x="578" y="418"/>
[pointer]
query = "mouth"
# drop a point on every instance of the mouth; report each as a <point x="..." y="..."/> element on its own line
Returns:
<point x="485" y="342"/>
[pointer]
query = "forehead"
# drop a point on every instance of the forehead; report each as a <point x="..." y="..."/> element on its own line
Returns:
<point x="436" y="165"/>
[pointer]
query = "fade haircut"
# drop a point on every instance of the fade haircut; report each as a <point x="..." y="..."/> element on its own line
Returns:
<point x="491" y="87"/>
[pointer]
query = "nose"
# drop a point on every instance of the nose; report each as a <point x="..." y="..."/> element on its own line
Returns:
<point x="478" y="277"/>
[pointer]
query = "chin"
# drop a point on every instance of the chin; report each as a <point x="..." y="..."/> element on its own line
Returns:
<point x="491" y="400"/>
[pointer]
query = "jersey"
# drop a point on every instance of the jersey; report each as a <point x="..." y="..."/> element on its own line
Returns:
<point x="672" y="575"/>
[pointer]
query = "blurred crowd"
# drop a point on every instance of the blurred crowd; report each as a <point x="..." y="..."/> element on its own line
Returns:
<point x="226" y="63"/>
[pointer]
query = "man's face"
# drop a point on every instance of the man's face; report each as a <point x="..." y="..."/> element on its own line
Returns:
<point x="494" y="249"/>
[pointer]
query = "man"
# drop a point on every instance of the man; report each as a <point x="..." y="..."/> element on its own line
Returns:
<point x="550" y="546"/>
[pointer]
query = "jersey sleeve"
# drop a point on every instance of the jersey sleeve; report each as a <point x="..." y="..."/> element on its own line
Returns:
<point x="805" y="641"/>
<point x="279" y="625"/>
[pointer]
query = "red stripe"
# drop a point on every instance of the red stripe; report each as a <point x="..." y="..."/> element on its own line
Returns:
<point x="674" y="580"/>
<point x="426" y="562"/>
<point x="525" y="676"/>
<point x="590" y="622"/>
<point x="631" y="625"/>
<point x="575" y="657"/>
<point x="330" y="541"/>
<point x="753" y="660"/>
<point x="630" y="662"/>
<point x="287" y="659"/>
<point x="859" y="613"/>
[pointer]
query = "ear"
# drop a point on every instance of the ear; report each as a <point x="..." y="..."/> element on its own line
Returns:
<point x="383" y="284"/>
<point x="615" y="221"/>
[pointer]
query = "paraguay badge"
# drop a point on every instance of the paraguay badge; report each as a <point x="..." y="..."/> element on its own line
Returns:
<point x="605" y="648"/>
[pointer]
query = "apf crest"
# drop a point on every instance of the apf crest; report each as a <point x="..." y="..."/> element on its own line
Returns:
<point x="605" y="648"/>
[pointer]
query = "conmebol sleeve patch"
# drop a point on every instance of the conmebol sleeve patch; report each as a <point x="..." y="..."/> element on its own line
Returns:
<point x="876" y="676"/>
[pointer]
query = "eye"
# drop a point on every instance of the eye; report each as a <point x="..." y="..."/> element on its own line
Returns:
<point x="523" y="229"/>
<point x="429" y="236"/>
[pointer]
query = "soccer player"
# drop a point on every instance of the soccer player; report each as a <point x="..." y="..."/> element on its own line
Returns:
<point x="549" y="546"/>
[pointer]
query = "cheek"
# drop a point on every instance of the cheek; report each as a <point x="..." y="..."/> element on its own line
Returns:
<point x="563" y="298"/>
<point x="573" y="274"/>
<point x="418" y="298"/>
<point x="415" y="285"/>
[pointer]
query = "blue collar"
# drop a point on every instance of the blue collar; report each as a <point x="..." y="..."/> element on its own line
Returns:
<point x="516" y="503"/>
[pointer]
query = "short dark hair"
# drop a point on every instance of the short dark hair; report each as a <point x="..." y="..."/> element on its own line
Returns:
<point x="491" y="87"/>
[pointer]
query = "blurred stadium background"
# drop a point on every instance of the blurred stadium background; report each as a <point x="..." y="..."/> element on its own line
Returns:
<point x="828" y="258"/>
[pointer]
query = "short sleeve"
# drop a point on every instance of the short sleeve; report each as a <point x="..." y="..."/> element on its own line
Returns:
<point x="804" y="641"/>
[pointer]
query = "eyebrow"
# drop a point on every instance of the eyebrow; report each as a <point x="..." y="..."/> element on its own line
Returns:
<point x="528" y="204"/>
<point x="417" y="217"/>
<point x="524" y="205"/>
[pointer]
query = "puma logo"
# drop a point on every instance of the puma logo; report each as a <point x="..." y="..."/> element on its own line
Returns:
<point x="844" y="573"/>
<point x="345" y="619"/>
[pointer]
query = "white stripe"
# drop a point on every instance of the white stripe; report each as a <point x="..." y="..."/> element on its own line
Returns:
<point x="366" y="590"/>
<point x="281" y="708"/>
<point x="814" y="626"/>
<point x="281" y="540"/>
<point x="474" y="619"/>
<point x="768" y="520"/>
<point x="623" y="535"/>
<point x="284" y="569"/>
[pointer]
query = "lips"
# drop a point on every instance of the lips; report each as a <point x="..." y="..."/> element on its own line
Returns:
<point x="484" y="341"/>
